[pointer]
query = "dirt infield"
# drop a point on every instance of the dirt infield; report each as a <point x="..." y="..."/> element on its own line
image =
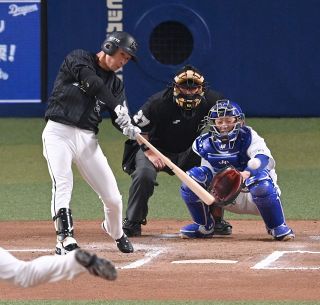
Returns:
<point x="245" y="266"/>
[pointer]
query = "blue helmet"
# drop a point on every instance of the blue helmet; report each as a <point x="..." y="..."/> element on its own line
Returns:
<point x="225" y="108"/>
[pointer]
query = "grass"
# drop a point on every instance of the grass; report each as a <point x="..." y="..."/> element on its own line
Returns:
<point x="25" y="185"/>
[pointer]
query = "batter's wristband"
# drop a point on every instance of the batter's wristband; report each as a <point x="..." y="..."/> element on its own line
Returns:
<point x="144" y="147"/>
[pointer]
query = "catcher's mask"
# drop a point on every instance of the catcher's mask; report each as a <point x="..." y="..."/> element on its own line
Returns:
<point x="226" y="131"/>
<point x="188" y="89"/>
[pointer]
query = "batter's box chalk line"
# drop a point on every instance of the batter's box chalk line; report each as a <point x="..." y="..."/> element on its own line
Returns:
<point x="273" y="257"/>
<point x="205" y="261"/>
<point x="151" y="253"/>
<point x="316" y="237"/>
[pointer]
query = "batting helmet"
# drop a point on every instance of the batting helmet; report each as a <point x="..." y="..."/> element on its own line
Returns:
<point x="120" y="39"/>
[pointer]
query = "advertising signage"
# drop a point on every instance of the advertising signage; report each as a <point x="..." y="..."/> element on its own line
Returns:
<point x="20" y="51"/>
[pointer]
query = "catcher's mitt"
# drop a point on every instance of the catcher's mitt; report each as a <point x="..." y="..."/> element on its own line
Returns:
<point x="226" y="186"/>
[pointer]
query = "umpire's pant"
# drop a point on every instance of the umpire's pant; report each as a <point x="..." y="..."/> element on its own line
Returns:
<point x="144" y="180"/>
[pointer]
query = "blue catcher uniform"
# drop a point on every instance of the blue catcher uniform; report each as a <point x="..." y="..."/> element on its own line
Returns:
<point x="221" y="147"/>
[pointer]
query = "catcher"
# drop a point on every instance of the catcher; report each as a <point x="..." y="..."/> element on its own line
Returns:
<point x="239" y="170"/>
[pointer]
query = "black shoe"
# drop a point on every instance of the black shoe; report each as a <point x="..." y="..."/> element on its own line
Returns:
<point x="96" y="265"/>
<point x="124" y="244"/>
<point x="222" y="227"/>
<point x="131" y="228"/>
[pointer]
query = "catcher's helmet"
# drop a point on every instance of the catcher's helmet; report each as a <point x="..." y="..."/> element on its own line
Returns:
<point x="225" y="108"/>
<point x="188" y="89"/>
<point x="120" y="39"/>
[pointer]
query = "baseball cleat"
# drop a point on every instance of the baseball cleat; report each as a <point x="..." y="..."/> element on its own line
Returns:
<point x="282" y="233"/>
<point x="67" y="245"/>
<point x="222" y="227"/>
<point x="96" y="265"/>
<point x="131" y="228"/>
<point x="195" y="230"/>
<point x="123" y="243"/>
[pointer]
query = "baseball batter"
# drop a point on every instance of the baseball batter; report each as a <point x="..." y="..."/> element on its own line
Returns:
<point x="52" y="268"/>
<point x="230" y="142"/>
<point x="86" y="87"/>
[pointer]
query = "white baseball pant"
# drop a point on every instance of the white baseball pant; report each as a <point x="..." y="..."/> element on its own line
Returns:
<point x="64" y="145"/>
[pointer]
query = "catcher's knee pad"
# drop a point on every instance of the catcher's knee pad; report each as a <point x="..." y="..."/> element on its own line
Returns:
<point x="262" y="188"/>
<point x="201" y="174"/>
<point x="267" y="200"/>
<point x="64" y="224"/>
<point x="263" y="175"/>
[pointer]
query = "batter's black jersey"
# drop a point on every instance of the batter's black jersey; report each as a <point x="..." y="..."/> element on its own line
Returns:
<point x="168" y="129"/>
<point x="70" y="104"/>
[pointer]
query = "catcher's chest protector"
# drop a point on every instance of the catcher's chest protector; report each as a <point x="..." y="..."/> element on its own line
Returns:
<point x="219" y="156"/>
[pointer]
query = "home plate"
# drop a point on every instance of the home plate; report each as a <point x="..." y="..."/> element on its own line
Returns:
<point x="205" y="261"/>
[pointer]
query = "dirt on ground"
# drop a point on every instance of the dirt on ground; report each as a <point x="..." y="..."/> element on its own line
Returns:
<point x="248" y="265"/>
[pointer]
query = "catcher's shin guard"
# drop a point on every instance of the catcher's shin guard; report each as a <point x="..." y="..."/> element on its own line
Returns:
<point x="64" y="229"/>
<point x="265" y="196"/>
<point x="203" y="225"/>
<point x="199" y="211"/>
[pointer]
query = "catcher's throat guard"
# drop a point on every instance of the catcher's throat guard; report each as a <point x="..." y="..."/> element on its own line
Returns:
<point x="226" y="186"/>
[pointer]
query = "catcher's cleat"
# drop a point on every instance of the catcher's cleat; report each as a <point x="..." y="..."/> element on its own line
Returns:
<point x="282" y="233"/>
<point x="222" y="227"/>
<point x="131" y="228"/>
<point x="195" y="230"/>
<point x="123" y="243"/>
<point x="96" y="265"/>
<point x="67" y="245"/>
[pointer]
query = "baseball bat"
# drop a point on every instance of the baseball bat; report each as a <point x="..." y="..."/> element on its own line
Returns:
<point x="205" y="196"/>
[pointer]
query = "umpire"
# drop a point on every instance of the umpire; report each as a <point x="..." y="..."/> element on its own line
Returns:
<point x="171" y="120"/>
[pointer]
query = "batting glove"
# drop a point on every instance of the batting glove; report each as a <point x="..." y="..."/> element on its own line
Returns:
<point x="131" y="131"/>
<point x="123" y="118"/>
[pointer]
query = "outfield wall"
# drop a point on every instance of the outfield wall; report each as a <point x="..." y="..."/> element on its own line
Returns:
<point x="264" y="54"/>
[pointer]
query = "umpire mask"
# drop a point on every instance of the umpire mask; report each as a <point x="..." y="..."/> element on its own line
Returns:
<point x="188" y="90"/>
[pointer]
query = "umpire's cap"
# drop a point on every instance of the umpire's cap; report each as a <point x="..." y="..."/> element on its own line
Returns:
<point x="120" y="39"/>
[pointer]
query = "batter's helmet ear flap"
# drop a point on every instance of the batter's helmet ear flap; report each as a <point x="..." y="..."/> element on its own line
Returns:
<point x="122" y="40"/>
<point x="109" y="47"/>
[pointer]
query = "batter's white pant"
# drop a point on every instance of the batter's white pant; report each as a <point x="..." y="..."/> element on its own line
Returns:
<point x="43" y="269"/>
<point x="64" y="145"/>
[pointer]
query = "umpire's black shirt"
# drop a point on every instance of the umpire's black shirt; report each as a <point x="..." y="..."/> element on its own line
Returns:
<point x="168" y="129"/>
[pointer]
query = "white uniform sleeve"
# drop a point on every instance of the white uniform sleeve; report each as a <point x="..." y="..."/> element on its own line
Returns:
<point x="259" y="146"/>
